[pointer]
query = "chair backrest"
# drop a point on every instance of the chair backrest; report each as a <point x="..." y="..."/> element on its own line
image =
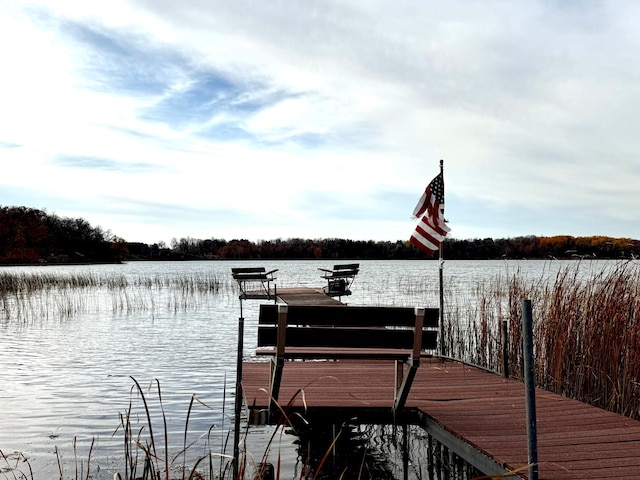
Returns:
<point x="248" y="270"/>
<point x="249" y="273"/>
<point x="252" y="274"/>
<point x="346" y="270"/>
<point x="347" y="266"/>
<point x="343" y="326"/>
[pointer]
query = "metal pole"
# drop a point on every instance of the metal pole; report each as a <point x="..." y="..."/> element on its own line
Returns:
<point x="405" y="453"/>
<point x="441" y="285"/>
<point x="505" y="349"/>
<point x="441" y="312"/>
<point x="529" y="381"/>
<point x="238" y="399"/>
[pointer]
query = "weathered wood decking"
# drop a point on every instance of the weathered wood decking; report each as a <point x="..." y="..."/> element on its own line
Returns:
<point x="473" y="412"/>
<point x="306" y="296"/>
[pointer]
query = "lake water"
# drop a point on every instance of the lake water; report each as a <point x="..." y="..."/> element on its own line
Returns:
<point x="67" y="358"/>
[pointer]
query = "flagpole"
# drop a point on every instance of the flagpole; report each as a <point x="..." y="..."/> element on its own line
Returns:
<point x="440" y="274"/>
<point x="430" y="231"/>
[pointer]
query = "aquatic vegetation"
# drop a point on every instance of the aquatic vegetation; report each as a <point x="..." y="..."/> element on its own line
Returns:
<point x="28" y="296"/>
<point x="586" y="332"/>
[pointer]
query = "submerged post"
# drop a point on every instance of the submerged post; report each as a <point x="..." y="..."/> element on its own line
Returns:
<point x="529" y="381"/>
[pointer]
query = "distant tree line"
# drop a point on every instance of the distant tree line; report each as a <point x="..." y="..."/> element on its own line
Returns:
<point x="30" y="236"/>
<point x="561" y="247"/>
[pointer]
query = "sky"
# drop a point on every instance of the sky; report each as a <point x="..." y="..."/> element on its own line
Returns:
<point x="158" y="120"/>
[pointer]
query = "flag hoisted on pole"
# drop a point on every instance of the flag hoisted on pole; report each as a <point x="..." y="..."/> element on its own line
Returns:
<point x="432" y="228"/>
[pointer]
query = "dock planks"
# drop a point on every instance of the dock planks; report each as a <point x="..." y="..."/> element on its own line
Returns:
<point x="484" y="411"/>
<point x="306" y="296"/>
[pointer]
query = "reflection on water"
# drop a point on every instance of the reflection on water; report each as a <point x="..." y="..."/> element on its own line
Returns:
<point x="67" y="357"/>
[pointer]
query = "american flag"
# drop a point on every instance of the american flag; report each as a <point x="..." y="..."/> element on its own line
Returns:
<point x="432" y="228"/>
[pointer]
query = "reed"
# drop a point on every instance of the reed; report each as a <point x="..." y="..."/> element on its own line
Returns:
<point x="18" y="467"/>
<point x="150" y="451"/>
<point x="586" y="332"/>
<point x="147" y="450"/>
<point x="13" y="466"/>
<point x="27" y="296"/>
<point x="588" y="339"/>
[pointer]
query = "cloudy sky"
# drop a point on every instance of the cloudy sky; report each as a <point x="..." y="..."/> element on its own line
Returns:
<point x="157" y="119"/>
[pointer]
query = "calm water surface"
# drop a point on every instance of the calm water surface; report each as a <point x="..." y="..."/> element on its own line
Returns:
<point x="66" y="376"/>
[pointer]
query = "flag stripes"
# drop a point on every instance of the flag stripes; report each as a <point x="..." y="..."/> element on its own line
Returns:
<point x="432" y="228"/>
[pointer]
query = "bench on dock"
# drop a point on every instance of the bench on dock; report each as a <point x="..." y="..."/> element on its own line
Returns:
<point x="254" y="276"/>
<point x="340" y="279"/>
<point x="301" y="332"/>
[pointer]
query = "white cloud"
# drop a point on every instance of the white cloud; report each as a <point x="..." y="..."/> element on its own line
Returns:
<point x="246" y="114"/>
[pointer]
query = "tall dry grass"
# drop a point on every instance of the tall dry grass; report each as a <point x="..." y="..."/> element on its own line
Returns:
<point x="586" y="332"/>
<point x="588" y="338"/>
<point x="28" y="296"/>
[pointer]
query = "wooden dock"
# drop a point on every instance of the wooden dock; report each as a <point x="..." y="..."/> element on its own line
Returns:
<point x="479" y="415"/>
<point x="306" y="296"/>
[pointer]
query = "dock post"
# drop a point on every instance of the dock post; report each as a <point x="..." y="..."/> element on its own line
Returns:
<point x="238" y="399"/>
<point x="529" y="381"/>
<point x="505" y="349"/>
<point x="405" y="453"/>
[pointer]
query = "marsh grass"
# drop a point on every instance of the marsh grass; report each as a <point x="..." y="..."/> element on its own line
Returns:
<point x="586" y="331"/>
<point x="27" y="297"/>
<point x="150" y="453"/>
<point x="16" y="466"/>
